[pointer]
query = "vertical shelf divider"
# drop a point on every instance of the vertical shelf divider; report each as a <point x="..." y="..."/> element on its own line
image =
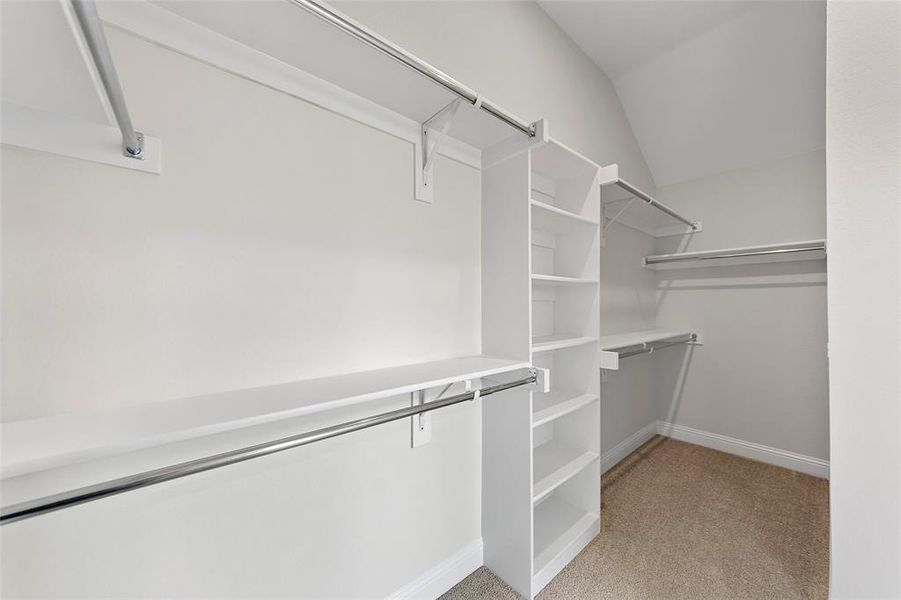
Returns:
<point x="540" y="269"/>
<point x="506" y="325"/>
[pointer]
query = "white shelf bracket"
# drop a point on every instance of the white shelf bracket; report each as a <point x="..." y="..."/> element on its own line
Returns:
<point x="433" y="132"/>
<point x="421" y="424"/>
<point x="611" y="220"/>
<point x="544" y="380"/>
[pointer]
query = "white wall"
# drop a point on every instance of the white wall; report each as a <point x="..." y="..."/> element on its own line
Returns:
<point x="628" y="303"/>
<point x="280" y="242"/>
<point x="743" y="93"/>
<point x="761" y="375"/>
<point x="863" y="154"/>
<point x="120" y="287"/>
<point x="514" y="54"/>
<point x="243" y="264"/>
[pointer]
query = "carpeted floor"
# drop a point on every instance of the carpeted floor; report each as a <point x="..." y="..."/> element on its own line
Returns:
<point x="679" y="521"/>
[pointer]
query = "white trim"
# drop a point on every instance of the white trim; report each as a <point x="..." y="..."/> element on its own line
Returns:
<point x="28" y="128"/>
<point x="176" y="33"/>
<point x="767" y="454"/>
<point x="628" y="446"/>
<point x="444" y="575"/>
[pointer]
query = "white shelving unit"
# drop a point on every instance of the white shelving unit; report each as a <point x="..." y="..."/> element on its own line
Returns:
<point x="541" y="474"/>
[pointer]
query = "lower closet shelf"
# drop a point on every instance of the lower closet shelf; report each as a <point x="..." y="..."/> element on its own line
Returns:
<point x="561" y="529"/>
<point x="554" y="464"/>
<point x="39" y="444"/>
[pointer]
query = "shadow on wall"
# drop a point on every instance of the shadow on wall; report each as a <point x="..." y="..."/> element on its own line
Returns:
<point x="671" y="373"/>
<point x="732" y="277"/>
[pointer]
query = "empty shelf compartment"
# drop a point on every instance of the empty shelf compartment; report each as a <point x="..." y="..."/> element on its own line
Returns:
<point x="558" y="403"/>
<point x="548" y="217"/>
<point x="554" y="463"/>
<point x="560" y="528"/>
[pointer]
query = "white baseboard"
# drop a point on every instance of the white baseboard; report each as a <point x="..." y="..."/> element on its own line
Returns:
<point x="628" y="446"/>
<point x="444" y="575"/>
<point x="766" y="454"/>
<point x="451" y="571"/>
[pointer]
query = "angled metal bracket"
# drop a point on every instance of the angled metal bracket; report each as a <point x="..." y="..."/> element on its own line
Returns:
<point x="421" y="424"/>
<point x="433" y="132"/>
<point x="611" y="220"/>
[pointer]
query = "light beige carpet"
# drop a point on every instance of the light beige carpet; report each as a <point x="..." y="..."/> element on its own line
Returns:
<point x="679" y="521"/>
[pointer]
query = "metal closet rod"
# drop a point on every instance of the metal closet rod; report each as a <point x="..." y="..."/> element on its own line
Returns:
<point x="648" y="347"/>
<point x="47" y="504"/>
<point x="381" y="44"/>
<point x="656" y="204"/>
<point x="92" y="29"/>
<point x="738" y="253"/>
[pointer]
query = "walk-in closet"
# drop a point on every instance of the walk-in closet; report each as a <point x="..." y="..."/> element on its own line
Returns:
<point x="415" y="300"/>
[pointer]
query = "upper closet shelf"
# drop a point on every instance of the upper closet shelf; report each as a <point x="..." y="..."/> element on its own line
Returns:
<point x="648" y="214"/>
<point x="45" y="443"/>
<point x="788" y="252"/>
<point x="624" y="345"/>
<point x="309" y="50"/>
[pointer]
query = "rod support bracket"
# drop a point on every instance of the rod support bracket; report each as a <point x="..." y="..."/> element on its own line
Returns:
<point x="421" y="424"/>
<point x="542" y="378"/>
<point x="135" y="152"/>
<point x="432" y="134"/>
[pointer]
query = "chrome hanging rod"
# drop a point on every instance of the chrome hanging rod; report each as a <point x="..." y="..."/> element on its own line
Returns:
<point x="648" y="347"/>
<point x="47" y="504"/>
<point x="92" y="29"/>
<point x="622" y="183"/>
<point x="367" y="36"/>
<point x="814" y="246"/>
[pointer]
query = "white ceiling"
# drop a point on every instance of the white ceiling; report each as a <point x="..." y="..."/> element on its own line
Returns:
<point x="709" y="86"/>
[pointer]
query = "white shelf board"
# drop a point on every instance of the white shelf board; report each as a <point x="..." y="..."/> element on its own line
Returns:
<point x="609" y="358"/>
<point x="561" y="280"/>
<point x="547" y="217"/>
<point x="561" y="531"/>
<point x="39" y="444"/>
<point x="303" y="41"/>
<point x="787" y="252"/>
<point x="634" y="338"/>
<point x="557" y="403"/>
<point x="643" y="217"/>
<point x="558" y="162"/>
<point x="554" y="463"/>
<point x="640" y="215"/>
<point x="558" y="342"/>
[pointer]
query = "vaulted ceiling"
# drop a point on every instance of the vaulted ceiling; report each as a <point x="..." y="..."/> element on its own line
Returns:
<point x="709" y="86"/>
